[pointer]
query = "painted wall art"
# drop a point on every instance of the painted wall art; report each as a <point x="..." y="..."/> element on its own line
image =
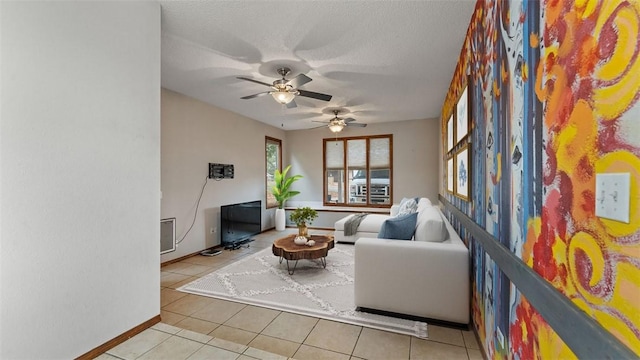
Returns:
<point x="462" y="171"/>
<point x="554" y="93"/>
<point x="450" y="174"/>
<point x="462" y="116"/>
<point x="450" y="133"/>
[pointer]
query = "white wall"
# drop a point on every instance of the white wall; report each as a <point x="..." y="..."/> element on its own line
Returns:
<point x="80" y="165"/>
<point x="195" y="134"/>
<point x="415" y="157"/>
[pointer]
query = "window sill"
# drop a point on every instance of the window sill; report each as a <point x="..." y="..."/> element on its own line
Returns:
<point x="319" y="206"/>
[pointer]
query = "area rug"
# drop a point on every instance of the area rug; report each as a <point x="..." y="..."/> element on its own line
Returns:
<point x="261" y="280"/>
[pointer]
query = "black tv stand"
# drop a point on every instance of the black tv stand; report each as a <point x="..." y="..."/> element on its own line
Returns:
<point x="238" y="244"/>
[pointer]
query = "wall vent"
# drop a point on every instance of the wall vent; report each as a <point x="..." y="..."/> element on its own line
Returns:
<point x="167" y="235"/>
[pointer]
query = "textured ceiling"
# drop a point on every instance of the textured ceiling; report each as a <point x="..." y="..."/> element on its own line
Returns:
<point x="381" y="60"/>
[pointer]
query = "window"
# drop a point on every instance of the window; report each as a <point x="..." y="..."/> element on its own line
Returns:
<point x="273" y="155"/>
<point x="358" y="171"/>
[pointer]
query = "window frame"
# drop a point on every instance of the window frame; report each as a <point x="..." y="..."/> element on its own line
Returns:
<point x="271" y="141"/>
<point x="346" y="171"/>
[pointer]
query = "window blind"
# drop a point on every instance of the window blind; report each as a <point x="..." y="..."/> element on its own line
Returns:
<point x="334" y="154"/>
<point x="379" y="153"/>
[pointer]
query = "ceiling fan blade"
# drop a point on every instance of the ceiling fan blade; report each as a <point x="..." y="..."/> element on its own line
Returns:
<point x="291" y="104"/>
<point x="348" y="120"/>
<point x="357" y="124"/>
<point x="299" y="81"/>
<point x="318" y="121"/>
<point x="255" y="81"/>
<point x="255" y="95"/>
<point x="318" y="127"/>
<point x="314" y="95"/>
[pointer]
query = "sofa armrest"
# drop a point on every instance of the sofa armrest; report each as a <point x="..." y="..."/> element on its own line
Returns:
<point x="426" y="279"/>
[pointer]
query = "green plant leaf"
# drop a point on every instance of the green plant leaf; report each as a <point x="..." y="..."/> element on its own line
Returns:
<point x="282" y="184"/>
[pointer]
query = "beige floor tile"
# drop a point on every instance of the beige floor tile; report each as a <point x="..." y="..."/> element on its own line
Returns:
<point x="174" y="348"/>
<point x="292" y="327"/>
<point x="427" y="350"/>
<point x="232" y="334"/>
<point x="169" y="329"/>
<point x="197" y="325"/>
<point x="273" y="345"/>
<point x="183" y="282"/>
<point x="245" y="357"/>
<point x="228" y="345"/>
<point x="106" y="356"/>
<point x="470" y="340"/>
<point x="218" y="311"/>
<point x="211" y="352"/>
<point x="188" y="304"/>
<point x="167" y="296"/>
<point x="378" y="344"/>
<point x="139" y="344"/>
<point x="252" y="318"/>
<point x="195" y="336"/>
<point x="205" y="260"/>
<point x="445" y="335"/>
<point x="306" y="352"/>
<point x="168" y="279"/>
<point x="263" y="355"/>
<point x="170" y="318"/>
<point x="334" y="336"/>
<point x="356" y="358"/>
<point x="173" y="267"/>
<point x="193" y="269"/>
<point x="475" y="354"/>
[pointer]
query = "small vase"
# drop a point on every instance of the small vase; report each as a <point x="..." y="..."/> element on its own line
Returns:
<point x="300" y="240"/>
<point x="303" y="230"/>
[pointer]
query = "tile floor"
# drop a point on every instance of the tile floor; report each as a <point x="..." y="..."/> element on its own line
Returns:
<point x="196" y="327"/>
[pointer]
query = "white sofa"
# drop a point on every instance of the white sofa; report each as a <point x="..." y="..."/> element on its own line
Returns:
<point x="422" y="278"/>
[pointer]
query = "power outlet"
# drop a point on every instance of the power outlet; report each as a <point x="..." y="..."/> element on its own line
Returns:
<point x="612" y="196"/>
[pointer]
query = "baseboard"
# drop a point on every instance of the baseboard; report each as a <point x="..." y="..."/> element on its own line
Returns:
<point x="169" y="262"/>
<point x="415" y="318"/>
<point x="217" y="247"/>
<point x="92" y="354"/>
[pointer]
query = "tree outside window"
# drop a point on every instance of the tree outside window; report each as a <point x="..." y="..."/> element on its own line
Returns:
<point x="273" y="155"/>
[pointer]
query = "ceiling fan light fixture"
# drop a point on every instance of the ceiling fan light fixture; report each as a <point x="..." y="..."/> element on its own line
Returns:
<point x="336" y="127"/>
<point x="283" y="96"/>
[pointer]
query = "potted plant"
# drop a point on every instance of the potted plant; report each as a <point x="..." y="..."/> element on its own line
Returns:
<point x="301" y="217"/>
<point x="282" y="193"/>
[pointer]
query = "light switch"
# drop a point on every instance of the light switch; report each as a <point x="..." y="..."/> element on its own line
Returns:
<point x="612" y="196"/>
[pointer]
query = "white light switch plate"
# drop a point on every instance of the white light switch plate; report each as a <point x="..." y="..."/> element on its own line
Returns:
<point x="612" y="196"/>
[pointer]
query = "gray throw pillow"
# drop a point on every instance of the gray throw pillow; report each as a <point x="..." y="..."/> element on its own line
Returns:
<point x="407" y="206"/>
<point x="400" y="227"/>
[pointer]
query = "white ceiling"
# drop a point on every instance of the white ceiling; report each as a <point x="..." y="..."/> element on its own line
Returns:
<point x="381" y="60"/>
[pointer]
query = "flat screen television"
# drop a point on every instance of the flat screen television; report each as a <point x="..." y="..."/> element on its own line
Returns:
<point x="239" y="222"/>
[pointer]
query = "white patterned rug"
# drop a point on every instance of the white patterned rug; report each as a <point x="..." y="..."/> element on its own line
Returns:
<point x="261" y="280"/>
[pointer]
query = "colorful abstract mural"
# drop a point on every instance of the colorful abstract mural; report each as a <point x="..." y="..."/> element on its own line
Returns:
<point x="555" y="88"/>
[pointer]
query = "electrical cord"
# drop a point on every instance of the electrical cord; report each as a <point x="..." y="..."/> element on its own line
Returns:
<point x="195" y="213"/>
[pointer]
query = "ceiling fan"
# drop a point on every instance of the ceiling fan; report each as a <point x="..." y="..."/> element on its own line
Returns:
<point x="337" y="124"/>
<point x="284" y="91"/>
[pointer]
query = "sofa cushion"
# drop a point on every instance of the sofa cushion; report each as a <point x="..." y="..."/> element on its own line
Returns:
<point x="371" y="223"/>
<point x="430" y="225"/>
<point x="407" y="206"/>
<point x="400" y="227"/>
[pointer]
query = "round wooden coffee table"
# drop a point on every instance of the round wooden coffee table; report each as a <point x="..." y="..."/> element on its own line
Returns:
<point x="286" y="249"/>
